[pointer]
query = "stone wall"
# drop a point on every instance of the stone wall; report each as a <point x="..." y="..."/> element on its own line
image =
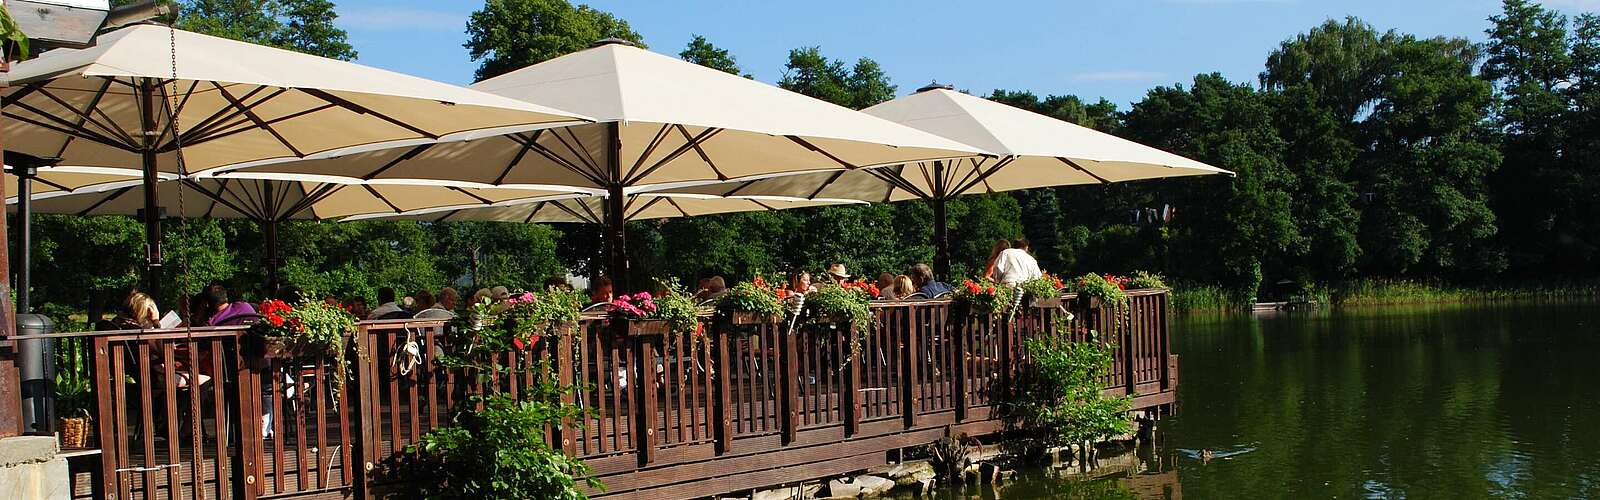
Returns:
<point x="30" y="469"/>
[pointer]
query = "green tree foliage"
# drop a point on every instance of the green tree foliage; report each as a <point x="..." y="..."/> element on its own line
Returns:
<point x="298" y="25"/>
<point x="506" y="35"/>
<point x="702" y="52"/>
<point x="811" y="73"/>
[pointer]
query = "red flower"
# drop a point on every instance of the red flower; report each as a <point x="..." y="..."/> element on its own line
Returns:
<point x="760" y="283"/>
<point x="699" y="329"/>
<point x="518" y="342"/>
<point x="989" y="290"/>
<point x="783" y="294"/>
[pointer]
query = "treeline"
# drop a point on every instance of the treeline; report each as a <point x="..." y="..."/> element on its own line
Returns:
<point x="1359" y="153"/>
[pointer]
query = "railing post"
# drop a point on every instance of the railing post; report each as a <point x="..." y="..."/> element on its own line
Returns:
<point x="789" y="381"/>
<point x="851" y="397"/>
<point x="249" y="428"/>
<point x="644" y="418"/>
<point x="721" y="414"/>
<point x="366" y="440"/>
<point x="563" y="361"/>
<point x="105" y="417"/>
<point x="910" y="353"/>
<point x="1130" y="376"/>
<point x="962" y="330"/>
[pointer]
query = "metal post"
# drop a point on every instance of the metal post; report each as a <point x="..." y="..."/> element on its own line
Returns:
<point x="941" y="239"/>
<point x="24" y="236"/>
<point x="152" y="212"/>
<point x="616" y="220"/>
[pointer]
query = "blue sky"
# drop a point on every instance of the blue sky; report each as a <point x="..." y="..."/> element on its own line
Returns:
<point x="1116" y="49"/>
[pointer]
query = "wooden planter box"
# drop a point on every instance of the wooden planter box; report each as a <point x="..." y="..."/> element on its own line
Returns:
<point x="745" y="318"/>
<point x="1088" y="302"/>
<point x="639" y="327"/>
<point x="1047" y="302"/>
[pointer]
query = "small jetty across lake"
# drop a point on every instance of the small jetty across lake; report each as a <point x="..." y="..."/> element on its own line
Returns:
<point x="676" y="416"/>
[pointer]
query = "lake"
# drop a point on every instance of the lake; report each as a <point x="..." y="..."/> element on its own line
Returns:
<point x="1456" y="401"/>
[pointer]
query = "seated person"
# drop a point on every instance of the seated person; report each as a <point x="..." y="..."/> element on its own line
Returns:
<point x="922" y="277"/>
<point x="837" y="273"/>
<point x="444" y="308"/>
<point x="228" y="313"/>
<point x="138" y="313"/>
<point x="388" y="308"/>
<point x="1014" y="266"/>
<point x="358" y="307"/>
<point x="800" y="283"/>
<point x="601" y="292"/>
<point x="886" y="286"/>
<point x="903" y="287"/>
<point x="713" y="288"/>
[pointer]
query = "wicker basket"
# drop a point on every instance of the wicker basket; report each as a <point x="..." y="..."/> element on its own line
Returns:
<point x="75" y="432"/>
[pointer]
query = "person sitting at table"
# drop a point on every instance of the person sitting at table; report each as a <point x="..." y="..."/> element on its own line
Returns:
<point x="837" y="273"/>
<point x="421" y="301"/>
<point x="886" y="286"/>
<point x="800" y="283"/>
<point x="994" y="257"/>
<point x="903" y="287"/>
<point x="713" y="288"/>
<point x="388" y="308"/>
<point x="1015" y="266"/>
<point x="228" y="313"/>
<point x="557" y="282"/>
<point x="922" y="277"/>
<point x="358" y="307"/>
<point x="138" y="313"/>
<point x="445" y="308"/>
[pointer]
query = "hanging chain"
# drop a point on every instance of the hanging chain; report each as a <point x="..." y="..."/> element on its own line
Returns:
<point x="171" y="103"/>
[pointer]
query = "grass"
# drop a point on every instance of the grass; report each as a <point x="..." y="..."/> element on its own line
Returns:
<point x="1201" y="298"/>
<point x="1370" y="292"/>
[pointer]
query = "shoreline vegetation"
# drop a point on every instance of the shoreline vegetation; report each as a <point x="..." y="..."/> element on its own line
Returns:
<point x="1210" y="299"/>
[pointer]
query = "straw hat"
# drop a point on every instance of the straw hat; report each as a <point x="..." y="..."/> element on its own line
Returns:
<point x="838" y="272"/>
<point x="499" y="293"/>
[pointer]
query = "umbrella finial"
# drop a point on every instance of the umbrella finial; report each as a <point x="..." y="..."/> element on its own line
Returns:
<point x="612" y="41"/>
<point x="935" y="85"/>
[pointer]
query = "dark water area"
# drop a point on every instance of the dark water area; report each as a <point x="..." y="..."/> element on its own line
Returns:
<point x="1454" y="401"/>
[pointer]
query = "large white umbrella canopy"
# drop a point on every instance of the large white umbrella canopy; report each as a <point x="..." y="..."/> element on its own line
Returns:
<point x="144" y="94"/>
<point x="591" y="209"/>
<point x="1029" y="150"/>
<point x="665" y="123"/>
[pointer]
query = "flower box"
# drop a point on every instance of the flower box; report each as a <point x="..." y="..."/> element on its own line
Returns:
<point x="638" y="327"/>
<point x="1088" y="302"/>
<point x="745" y="318"/>
<point x="1047" y="302"/>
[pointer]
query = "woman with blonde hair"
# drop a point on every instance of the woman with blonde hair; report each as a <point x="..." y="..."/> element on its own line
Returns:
<point x="138" y="312"/>
<point x="903" y="287"/>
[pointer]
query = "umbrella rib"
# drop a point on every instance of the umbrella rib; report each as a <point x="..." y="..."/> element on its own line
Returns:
<point x="245" y="196"/>
<point x="94" y="106"/>
<point x="764" y="205"/>
<point x="174" y="111"/>
<point x="219" y="198"/>
<point x="114" y="195"/>
<point x="1075" y="165"/>
<point x="653" y="201"/>
<point x="977" y="170"/>
<point x="193" y="84"/>
<point x="407" y="156"/>
<point x="480" y="199"/>
<point x="380" y="197"/>
<point x="898" y="180"/>
<point x="322" y="193"/>
<point x="675" y="205"/>
<point x="535" y="212"/>
<point x="582" y="157"/>
<point x="518" y="157"/>
<point x="589" y="155"/>
<point x="825" y="184"/>
<point x="336" y="100"/>
<point x="69" y="128"/>
<point x="575" y="214"/>
<point x="209" y="123"/>
<point x="248" y="113"/>
<point x="929" y="178"/>
<point x="739" y="188"/>
<point x="655" y="142"/>
<point x="22" y="92"/>
<point x="814" y="148"/>
<point x="233" y="125"/>
<point x="551" y="155"/>
<point x="590" y="210"/>
<point x="87" y="117"/>
<point x="701" y="137"/>
<point x="51" y="184"/>
<point x="702" y="152"/>
<point x="984" y="178"/>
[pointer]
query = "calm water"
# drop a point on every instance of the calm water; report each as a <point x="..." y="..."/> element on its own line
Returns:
<point x="1455" y="402"/>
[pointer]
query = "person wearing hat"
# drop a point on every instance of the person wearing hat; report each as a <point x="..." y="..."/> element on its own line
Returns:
<point x="838" y="273"/>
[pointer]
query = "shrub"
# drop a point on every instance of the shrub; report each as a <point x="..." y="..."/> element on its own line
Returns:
<point x="1043" y="287"/>
<point x="1056" y="398"/>
<point x="1145" y="279"/>
<point x="500" y="451"/>
<point x="1108" y="288"/>
<point x="982" y="298"/>
<point x="751" y="296"/>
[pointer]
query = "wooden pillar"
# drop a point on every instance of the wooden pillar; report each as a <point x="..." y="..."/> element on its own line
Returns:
<point x="247" y="420"/>
<point x="1114" y="318"/>
<point x="721" y="417"/>
<point x="563" y="359"/>
<point x="152" y="210"/>
<point x="10" y="378"/>
<point x="910" y="355"/>
<point x="789" y="381"/>
<point x="366" y="441"/>
<point x="962" y="333"/>
<point x="851" y="397"/>
<point x="105" y="408"/>
<point x="644" y="418"/>
<point x="616" y="239"/>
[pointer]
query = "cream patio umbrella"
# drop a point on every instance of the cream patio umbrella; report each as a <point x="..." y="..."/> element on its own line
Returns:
<point x="665" y="123"/>
<point x="591" y="209"/>
<point x="144" y="94"/>
<point x="1029" y="150"/>
<point x="99" y="191"/>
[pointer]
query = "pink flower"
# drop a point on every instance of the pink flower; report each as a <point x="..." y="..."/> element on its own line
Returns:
<point x="527" y="297"/>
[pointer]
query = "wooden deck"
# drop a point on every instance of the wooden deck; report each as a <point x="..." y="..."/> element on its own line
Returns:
<point x="750" y="406"/>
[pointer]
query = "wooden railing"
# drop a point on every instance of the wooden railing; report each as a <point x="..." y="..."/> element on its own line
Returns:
<point x="674" y="416"/>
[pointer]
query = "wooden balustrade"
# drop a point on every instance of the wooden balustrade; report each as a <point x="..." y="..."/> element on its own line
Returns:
<point x="203" y="414"/>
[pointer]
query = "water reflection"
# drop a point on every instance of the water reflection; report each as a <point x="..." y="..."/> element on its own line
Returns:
<point x="1480" y="401"/>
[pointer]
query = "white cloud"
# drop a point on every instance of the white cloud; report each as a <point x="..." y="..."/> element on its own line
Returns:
<point x="401" y="19"/>
<point x="1117" y="76"/>
<point x="1588" y="5"/>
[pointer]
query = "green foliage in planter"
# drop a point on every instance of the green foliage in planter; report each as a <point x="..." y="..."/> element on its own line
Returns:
<point x="1056" y="398"/>
<point x="310" y="328"/>
<point x="833" y="302"/>
<point x="1145" y="279"/>
<point x="984" y="297"/>
<point x="1043" y="287"/>
<point x="501" y="451"/>
<point x="1094" y="285"/>
<point x="751" y="296"/>
<point x="676" y="307"/>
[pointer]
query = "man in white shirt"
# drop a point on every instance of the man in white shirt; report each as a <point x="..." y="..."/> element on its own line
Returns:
<point x="1014" y="265"/>
<point x="389" y="305"/>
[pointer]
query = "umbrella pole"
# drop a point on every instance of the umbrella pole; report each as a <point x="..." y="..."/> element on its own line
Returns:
<point x="616" y="221"/>
<point x="941" y="239"/>
<point x="152" y="215"/>
<point x="269" y="229"/>
<point x="24" y="237"/>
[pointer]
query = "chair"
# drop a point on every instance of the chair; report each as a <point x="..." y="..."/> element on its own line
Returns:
<point x="943" y="295"/>
<point x="916" y="296"/>
<point x="596" y="306"/>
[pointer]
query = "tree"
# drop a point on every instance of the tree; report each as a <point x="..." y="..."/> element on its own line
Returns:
<point x="702" y="52"/>
<point x="509" y="34"/>
<point x="298" y="25"/>
<point x="1225" y="228"/>
<point x="811" y="73"/>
